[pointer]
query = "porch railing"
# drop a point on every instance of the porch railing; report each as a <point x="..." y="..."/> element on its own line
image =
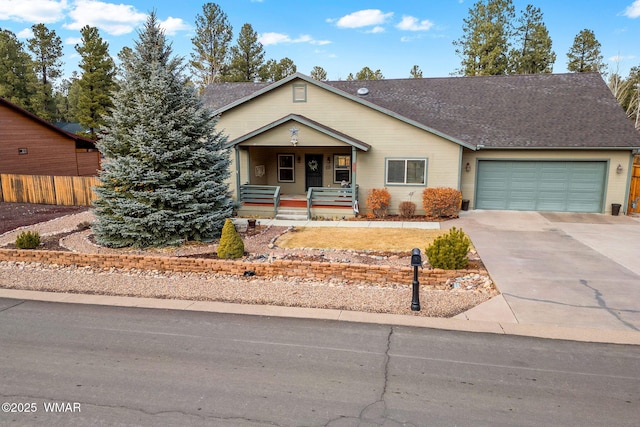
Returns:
<point x="328" y="196"/>
<point x="261" y="194"/>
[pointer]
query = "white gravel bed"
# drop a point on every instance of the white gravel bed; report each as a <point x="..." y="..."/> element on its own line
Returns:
<point x="210" y="287"/>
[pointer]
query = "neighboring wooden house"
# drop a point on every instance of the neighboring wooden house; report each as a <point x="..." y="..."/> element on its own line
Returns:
<point x="30" y="145"/>
<point x="544" y="142"/>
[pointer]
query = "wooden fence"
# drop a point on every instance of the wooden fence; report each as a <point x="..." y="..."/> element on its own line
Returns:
<point x="48" y="190"/>
<point x="634" y="192"/>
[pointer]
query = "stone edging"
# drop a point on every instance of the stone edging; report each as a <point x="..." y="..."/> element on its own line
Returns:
<point x="357" y="273"/>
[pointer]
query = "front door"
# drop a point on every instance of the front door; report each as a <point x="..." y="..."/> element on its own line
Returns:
<point x="313" y="170"/>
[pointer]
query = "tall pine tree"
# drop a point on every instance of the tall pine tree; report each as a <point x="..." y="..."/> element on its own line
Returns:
<point x="533" y="53"/>
<point x="585" y="55"/>
<point x="17" y="78"/>
<point x="163" y="178"/>
<point x="484" y="46"/>
<point x="97" y="81"/>
<point x="46" y="47"/>
<point x="247" y="57"/>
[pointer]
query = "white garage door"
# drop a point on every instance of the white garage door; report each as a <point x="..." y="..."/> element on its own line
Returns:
<point x="540" y="185"/>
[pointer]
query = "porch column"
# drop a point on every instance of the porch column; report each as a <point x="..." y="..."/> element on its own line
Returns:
<point x="237" y="153"/>
<point x="353" y="175"/>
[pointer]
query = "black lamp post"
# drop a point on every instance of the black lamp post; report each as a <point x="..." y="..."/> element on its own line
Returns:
<point x="416" y="261"/>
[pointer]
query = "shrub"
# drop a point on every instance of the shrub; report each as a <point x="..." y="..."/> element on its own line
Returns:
<point x="377" y="202"/>
<point x="449" y="251"/>
<point x="231" y="245"/>
<point x="407" y="209"/>
<point x="28" y="240"/>
<point x="441" y="202"/>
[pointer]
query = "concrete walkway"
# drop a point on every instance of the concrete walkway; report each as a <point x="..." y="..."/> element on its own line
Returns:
<point x="562" y="276"/>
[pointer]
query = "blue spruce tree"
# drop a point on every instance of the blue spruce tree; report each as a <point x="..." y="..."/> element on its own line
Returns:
<point x="164" y="169"/>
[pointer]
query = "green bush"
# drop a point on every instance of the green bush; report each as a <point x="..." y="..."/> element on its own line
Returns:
<point x="449" y="251"/>
<point x="231" y="245"/>
<point x="28" y="240"/>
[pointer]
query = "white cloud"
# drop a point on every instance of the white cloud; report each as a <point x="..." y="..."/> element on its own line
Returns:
<point x="73" y="40"/>
<point x="411" y="23"/>
<point x="278" y="38"/>
<point x="375" y="30"/>
<point x="115" y="19"/>
<point x="27" y="33"/>
<point x="363" y="18"/>
<point x="172" y="25"/>
<point x="34" y="11"/>
<point x="620" y="58"/>
<point x="633" y="10"/>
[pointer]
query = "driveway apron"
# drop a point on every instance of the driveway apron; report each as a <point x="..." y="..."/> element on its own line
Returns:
<point x="573" y="270"/>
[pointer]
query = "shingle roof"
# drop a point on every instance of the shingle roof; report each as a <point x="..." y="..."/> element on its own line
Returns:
<point x="517" y="111"/>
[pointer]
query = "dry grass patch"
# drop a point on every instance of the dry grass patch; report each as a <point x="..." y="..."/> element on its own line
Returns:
<point x="374" y="239"/>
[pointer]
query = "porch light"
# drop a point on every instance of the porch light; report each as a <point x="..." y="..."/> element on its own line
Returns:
<point x="619" y="169"/>
<point x="328" y="159"/>
<point x="467" y="167"/>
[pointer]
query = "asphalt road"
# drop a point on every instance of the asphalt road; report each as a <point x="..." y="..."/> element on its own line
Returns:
<point x="124" y="366"/>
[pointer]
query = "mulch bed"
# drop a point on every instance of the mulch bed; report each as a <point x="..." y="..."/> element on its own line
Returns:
<point x="15" y="215"/>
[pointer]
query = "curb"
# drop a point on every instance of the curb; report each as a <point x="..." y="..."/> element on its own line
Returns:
<point x="451" y="324"/>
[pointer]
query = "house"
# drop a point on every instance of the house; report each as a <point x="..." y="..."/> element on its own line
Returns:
<point x="543" y="142"/>
<point x="30" y="145"/>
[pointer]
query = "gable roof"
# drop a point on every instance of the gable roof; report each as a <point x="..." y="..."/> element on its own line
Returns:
<point x="536" y="111"/>
<point x="307" y="122"/>
<point x="45" y="123"/>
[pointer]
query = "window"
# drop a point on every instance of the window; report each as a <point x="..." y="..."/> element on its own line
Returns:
<point x="341" y="168"/>
<point x="299" y="92"/>
<point x="285" y="168"/>
<point x="406" y="171"/>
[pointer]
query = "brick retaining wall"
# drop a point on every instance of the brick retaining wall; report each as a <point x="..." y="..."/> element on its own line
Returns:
<point x="359" y="273"/>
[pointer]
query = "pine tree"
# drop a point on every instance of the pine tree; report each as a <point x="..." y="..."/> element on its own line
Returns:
<point x="17" y="77"/>
<point x="210" y="44"/>
<point x="533" y="53"/>
<point x="163" y="178"/>
<point x="416" y="72"/>
<point x="484" y="47"/>
<point x="97" y="81"/>
<point x="584" y="55"/>
<point x="273" y="71"/>
<point x="368" y="74"/>
<point x="46" y="47"/>
<point x="247" y="57"/>
<point x="318" y="73"/>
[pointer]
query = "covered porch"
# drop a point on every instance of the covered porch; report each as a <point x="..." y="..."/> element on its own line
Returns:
<point x="296" y="168"/>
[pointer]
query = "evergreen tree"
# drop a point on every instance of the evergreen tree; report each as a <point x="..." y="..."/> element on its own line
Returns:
<point x="416" y="72"/>
<point x="485" y="44"/>
<point x="163" y="177"/>
<point x="211" y="44"/>
<point x="46" y="47"/>
<point x="247" y="57"/>
<point x="584" y="55"/>
<point x="533" y="53"/>
<point x="318" y="73"/>
<point x="368" y="74"/>
<point x="17" y="77"/>
<point x="96" y="82"/>
<point x="273" y="71"/>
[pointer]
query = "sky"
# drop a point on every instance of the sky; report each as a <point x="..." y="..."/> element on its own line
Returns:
<point x="341" y="36"/>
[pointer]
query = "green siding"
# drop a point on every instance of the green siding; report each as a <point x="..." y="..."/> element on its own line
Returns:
<point x="558" y="186"/>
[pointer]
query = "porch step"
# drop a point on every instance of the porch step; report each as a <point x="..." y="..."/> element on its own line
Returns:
<point x="292" y="214"/>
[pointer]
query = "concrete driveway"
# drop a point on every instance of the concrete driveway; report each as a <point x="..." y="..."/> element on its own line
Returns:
<point x="572" y="270"/>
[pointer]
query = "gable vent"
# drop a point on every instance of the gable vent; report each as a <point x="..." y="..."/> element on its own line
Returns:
<point x="363" y="91"/>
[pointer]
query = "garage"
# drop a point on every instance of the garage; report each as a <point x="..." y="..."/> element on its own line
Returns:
<point x="556" y="186"/>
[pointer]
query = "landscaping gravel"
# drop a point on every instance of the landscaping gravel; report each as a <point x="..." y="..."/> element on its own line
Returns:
<point x="466" y="292"/>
